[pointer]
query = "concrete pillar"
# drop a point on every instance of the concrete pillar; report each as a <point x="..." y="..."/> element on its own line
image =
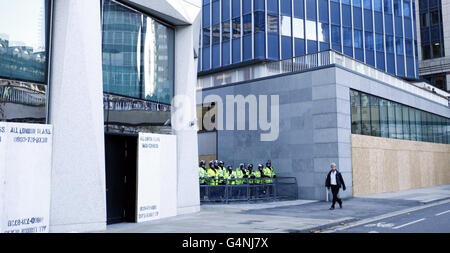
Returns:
<point x="183" y="117"/>
<point x="78" y="199"/>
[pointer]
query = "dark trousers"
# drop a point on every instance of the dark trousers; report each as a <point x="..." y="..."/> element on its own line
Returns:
<point x="335" y="191"/>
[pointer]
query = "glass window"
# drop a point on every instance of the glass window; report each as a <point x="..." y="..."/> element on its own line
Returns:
<point x="424" y="22"/>
<point x="419" y="125"/>
<point x="379" y="43"/>
<point x="335" y="13"/>
<point x="398" y="120"/>
<point x="323" y="11"/>
<point x="236" y="27"/>
<point x="215" y="15"/>
<point x="358" y="38"/>
<point x="365" y="114"/>
<point x="310" y="30"/>
<point x="426" y="54"/>
<point x="286" y="7"/>
<point x="23" y="40"/>
<point x="357" y="17"/>
<point x="412" y="124"/>
<point x="357" y="3"/>
<point x="226" y="31"/>
<point x="259" y="21"/>
<point x="399" y="45"/>
<point x="205" y="16"/>
<point x="285" y="26"/>
<point x="437" y="50"/>
<point x="272" y="24"/>
<point x="323" y="33"/>
<point x="434" y="17"/>
<point x="299" y="9"/>
<point x="335" y="34"/>
<point x="375" y="116"/>
<point x="258" y="5"/>
<point x="236" y="8"/>
<point x="216" y="34"/>
<point x="406" y="130"/>
<point x="149" y="78"/>
<point x="355" y="101"/>
<point x="369" y="40"/>
<point x="272" y="6"/>
<point x="384" y="126"/>
<point x="391" y="120"/>
<point x="347" y="36"/>
<point x="298" y="30"/>
<point x="388" y="6"/>
<point x="311" y="10"/>
<point x="246" y="7"/>
<point x="206" y="36"/>
<point x="225" y="10"/>
<point x="377" y="5"/>
<point x="397" y="7"/>
<point x="247" y="24"/>
<point x="406" y="9"/>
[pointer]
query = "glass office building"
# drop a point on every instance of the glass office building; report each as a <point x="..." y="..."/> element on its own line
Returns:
<point x="380" y="33"/>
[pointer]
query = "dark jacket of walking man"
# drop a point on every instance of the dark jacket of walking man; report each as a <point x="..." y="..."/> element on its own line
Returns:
<point x="335" y="181"/>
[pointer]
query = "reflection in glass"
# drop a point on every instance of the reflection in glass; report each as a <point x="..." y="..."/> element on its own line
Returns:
<point x="23" y="39"/>
<point x="22" y="101"/>
<point x="297" y="28"/>
<point x="285" y="25"/>
<point x="310" y="30"/>
<point x="139" y="61"/>
<point x="138" y="70"/>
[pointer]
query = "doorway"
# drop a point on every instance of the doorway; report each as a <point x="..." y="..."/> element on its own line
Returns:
<point x="121" y="166"/>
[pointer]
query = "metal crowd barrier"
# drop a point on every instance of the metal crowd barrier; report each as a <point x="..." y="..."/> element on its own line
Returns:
<point x="246" y="189"/>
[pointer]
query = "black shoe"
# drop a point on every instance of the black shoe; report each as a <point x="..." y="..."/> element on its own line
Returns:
<point x="331" y="208"/>
<point x="340" y="206"/>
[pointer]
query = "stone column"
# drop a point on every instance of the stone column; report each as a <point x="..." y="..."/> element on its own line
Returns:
<point x="78" y="198"/>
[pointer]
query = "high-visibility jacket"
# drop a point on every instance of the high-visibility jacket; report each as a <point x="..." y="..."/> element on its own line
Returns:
<point x="221" y="171"/>
<point x="229" y="176"/>
<point x="211" y="174"/>
<point x="202" y="175"/>
<point x="239" y="175"/>
<point x="269" y="171"/>
<point x="257" y="175"/>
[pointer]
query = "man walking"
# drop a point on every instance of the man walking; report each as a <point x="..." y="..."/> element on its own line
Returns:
<point x="335" y="181"/>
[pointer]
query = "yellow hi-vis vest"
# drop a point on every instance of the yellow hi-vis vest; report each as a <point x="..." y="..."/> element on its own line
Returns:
<point x="239" y="175"/>
<point x="269" y="171"/>
<point x="201" y="175"/>
<point x="257" y="175"/>
<point x="229" y="176"/>
<point x="212" y="175"/>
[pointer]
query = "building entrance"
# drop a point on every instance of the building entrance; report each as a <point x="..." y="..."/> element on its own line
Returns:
<point x="121" y="166"/>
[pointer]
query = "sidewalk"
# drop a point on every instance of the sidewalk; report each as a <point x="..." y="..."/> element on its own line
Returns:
<point x="284" y="216"/>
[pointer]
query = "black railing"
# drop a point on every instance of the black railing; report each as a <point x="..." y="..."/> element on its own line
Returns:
<point x="245" y="189"/>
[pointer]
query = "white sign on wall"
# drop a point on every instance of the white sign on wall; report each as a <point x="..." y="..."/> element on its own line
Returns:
<point x="156" y="177"/>
<point x="25" y="171"/>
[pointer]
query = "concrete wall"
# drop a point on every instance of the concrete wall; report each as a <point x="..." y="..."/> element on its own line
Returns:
<point x="388" y="165"/>
<point x="315" y="124"/>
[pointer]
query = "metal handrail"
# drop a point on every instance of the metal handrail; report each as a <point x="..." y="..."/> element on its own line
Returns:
<point x="246" y="189"/>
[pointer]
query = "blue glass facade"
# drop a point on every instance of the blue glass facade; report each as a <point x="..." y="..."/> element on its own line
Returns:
<point x="380" y="33"/>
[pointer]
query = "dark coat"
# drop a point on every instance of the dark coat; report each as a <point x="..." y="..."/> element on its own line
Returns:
<point x="339" y="180"/>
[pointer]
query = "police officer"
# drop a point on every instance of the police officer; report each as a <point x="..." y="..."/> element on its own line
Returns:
<point x="211" y="174"/>
<point x="240" y="171"/>
<point x="223" y="171"/>
<point x="249" y="174"/>
<point x="202" y="172"/>
<point x="259" y="174"/>
<point x="230" y="175"/>
<point x="270" y="172"/>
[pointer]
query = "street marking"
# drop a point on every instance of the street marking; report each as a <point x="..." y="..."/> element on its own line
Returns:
<point x="383" y="216"/>
<point x="380" y="225"/>
<point x="448" y="211"/>
<point x="412" y="222"/>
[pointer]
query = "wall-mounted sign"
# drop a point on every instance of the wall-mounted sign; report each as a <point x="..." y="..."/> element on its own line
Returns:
<point x="25" y="172"/>
<point x="156" y="177"/>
